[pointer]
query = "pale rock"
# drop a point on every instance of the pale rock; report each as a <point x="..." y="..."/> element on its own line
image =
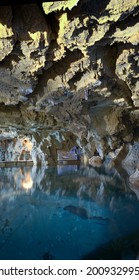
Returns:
<point x="95" y="161"/>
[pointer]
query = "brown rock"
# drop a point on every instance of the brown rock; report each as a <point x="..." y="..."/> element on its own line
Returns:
<point x="71" y="65"/>
<point x="95" y="161"/>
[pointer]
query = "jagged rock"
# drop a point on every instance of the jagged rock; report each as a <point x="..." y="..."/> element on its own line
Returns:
<point x="117" y="10"/>
<point x="6" y="31"/>
<point x="95" y="161"/>
<point x="57" y="6"/>
<point x="127" y="70"/>
<point x="39" y="146"/>
<point x="115" y="157"/>
<point x="71" y="65"/>
<point x="131" y="161"/>
<point x="6" y="22"/>
<point x="27" y="54"/>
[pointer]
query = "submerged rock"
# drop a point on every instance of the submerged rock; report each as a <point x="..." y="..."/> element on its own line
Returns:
<point x="83" y="214"/>
<point x="79" y="211"/>
<point x="48" y="256"/>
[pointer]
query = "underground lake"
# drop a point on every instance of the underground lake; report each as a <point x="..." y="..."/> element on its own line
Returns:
<point x="68" y="212"/>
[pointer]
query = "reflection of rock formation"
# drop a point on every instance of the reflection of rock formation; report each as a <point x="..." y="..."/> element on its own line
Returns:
<point x="89" y="185"/>
<point x="135" y="189"/>
<point x="134" y="182"/>
<point x="130" y="164"/>
<point x="100" y="193"/>
<point x="134" y="178"/>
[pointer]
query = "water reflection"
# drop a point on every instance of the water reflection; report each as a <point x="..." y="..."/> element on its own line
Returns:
<point x="27" y="181"/>
<point x="67" y="212"/>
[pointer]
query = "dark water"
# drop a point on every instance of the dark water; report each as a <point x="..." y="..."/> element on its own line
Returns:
<point x="67" y="212"/>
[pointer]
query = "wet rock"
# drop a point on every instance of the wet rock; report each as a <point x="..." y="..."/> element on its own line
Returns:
<point x="83" y="214"/>
<point x="95" y="161"/>
<point x="79" y="211"/>
<point x="131" y="160"/>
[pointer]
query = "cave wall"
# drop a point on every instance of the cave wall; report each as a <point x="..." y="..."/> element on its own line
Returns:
<point x="71" y="65"/>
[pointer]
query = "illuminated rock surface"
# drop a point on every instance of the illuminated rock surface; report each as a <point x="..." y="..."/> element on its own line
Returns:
<point x="70" y="68"/>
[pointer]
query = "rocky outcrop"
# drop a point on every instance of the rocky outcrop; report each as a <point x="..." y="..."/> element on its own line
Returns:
<point x="71" y="65"/>
<point x="131" y="160"/>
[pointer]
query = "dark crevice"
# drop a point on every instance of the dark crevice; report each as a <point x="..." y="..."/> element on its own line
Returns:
<point x="51" y="20"/>
<point x="126" y="120"/>
<point x="15" y="55"/>
<point x="5" y="12"/>
<point x="24" y="2"/>
<point x="17" y="52"/>
<point x="127" y="46"/>
<point x="108" y="39"/>
<point x="136" y="133"/>
<point x="93" y="7"/>
<point x="130" y="21"/>
<point x="58" y="69"/>
<point x="108" y="55"/>
<point x="53" y="23"/>
<point x="76" y="78"/>
<point x="128" y="14"/>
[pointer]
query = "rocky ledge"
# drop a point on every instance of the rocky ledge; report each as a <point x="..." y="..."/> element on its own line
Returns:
<point x="69" y="76"/>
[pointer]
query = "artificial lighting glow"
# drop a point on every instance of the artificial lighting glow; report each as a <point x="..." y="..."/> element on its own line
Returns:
<point x="27" y="182"/>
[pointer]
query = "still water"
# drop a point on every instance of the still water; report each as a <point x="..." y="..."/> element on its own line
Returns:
<point x="67" y="212"/>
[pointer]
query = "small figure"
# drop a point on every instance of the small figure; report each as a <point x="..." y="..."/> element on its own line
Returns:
<point x="77" y="151"/>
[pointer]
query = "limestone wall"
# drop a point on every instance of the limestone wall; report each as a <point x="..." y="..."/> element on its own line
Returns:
<point x="71" y="65"/>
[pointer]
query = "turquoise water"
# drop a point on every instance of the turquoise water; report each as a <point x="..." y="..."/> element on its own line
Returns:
<point x="67" y="212"/>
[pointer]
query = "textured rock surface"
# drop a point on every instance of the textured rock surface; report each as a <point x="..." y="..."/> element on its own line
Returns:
<point x="131" y="160"/>
<point x="71" y="65"/>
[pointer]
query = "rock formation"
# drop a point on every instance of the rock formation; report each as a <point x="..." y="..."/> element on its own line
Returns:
<point x="69" y="75"/>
